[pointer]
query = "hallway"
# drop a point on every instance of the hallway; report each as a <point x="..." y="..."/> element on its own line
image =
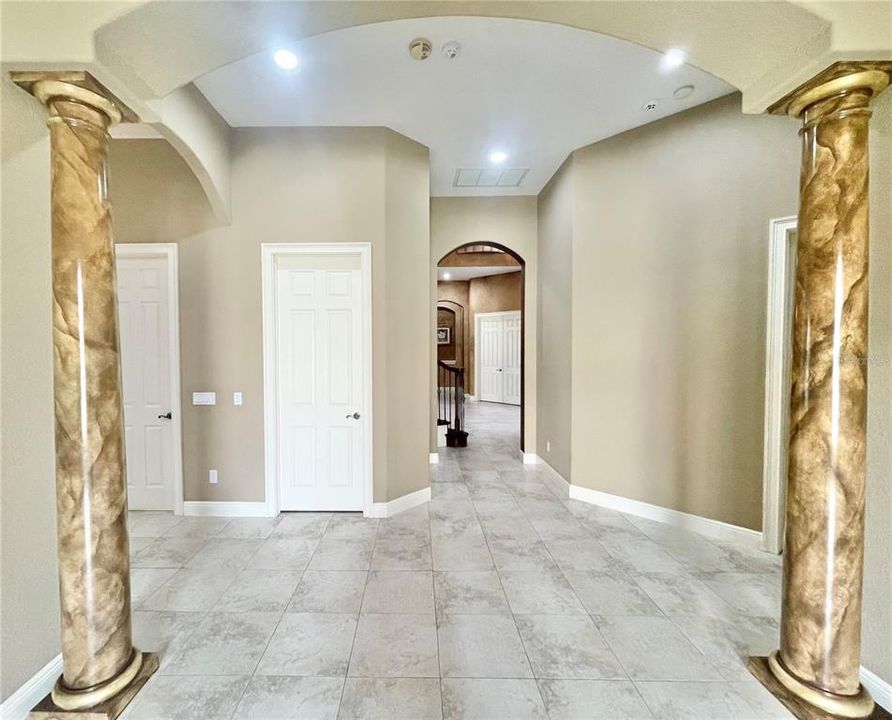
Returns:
<point x="500" y="600"/>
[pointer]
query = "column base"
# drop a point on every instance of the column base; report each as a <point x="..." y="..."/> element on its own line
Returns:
<point x="802" y="709"/>
<point x="108" y="709"/>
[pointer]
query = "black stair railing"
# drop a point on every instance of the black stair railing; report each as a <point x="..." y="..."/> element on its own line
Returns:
<point x="451" y="403"/>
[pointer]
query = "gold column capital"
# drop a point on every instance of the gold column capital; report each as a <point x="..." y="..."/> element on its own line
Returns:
<point x="79" y="86"/>
<point x="841" y="78"/>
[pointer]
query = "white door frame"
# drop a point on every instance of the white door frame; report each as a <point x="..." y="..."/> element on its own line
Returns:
<point x="477" y="319"/>
<point x="781" y="258"/>
<point x="269" y="253"/>
<point x="168" y="251"/>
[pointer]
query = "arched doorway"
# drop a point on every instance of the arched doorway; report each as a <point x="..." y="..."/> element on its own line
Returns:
<point x="482" y="285"/>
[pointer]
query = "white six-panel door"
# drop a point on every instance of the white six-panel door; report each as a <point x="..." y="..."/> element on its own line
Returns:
<point x="144" y="304"/>
<point x="320" y="382"/>
<point x="498" y="351"/>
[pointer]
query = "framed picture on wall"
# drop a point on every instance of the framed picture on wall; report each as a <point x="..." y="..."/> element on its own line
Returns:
<point x="443" y="336"/>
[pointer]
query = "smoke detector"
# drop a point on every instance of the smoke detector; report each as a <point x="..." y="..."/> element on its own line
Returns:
<point x="650" y="105"/>
<point x="450" y="50"/>
<point x="420" y="48"/>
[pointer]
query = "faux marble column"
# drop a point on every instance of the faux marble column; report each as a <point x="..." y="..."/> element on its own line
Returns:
<point x="99" y="660"/>
<point x="819" y="656"/>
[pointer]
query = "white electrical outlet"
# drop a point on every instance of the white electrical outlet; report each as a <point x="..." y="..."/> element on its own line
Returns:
<point x="212" y="477"/>
<point x="236" y="398"/>
<point x="204" y="398"/>
<point x="548" y="446"/>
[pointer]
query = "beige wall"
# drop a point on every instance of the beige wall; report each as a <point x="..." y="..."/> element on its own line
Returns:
<point x="877" y="629"/>
<point x="288" y="185"/>
<point x="669" y="258"/>
<point x="29" y="613"/>
<point x="508" y="221"/>
<point x="553" y="346"/>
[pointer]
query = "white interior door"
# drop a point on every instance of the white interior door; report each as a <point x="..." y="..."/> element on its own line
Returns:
<point x="511" y="358"/>
<point x="144" y="305"/>
<point x="320" y="382"/>
<point x="489" y="358"/>
<point x="497" y="346"/>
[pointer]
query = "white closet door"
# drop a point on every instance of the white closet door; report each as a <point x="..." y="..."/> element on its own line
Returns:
<point x="143" y="318"/>
<point x="511" y="355"/>
<point x="490" y="338"/>
<point x="498" y="357"/>
<point x="320" y="382"/>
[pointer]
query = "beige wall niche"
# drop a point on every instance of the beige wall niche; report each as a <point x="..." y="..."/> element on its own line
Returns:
<point x="289" y="185"/>
<point x="507" y="221"/>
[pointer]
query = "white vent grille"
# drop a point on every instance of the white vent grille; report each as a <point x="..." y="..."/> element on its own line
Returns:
<point x="489" y="177"/>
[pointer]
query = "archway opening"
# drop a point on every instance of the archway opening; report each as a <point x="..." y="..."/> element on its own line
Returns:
<point x="480" y="345"/>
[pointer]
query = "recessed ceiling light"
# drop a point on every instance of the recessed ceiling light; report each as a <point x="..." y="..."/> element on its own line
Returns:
<point x="498" y="156"/>
<point x="446" y="276"/>
<point x="672" y="59"/>
<point x="683" y="92"/>
<point x="285" y="59"/>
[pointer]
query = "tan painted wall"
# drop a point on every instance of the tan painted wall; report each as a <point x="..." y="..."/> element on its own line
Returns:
<point x="29" y="604"/>
<point x="553" y="347"/>
<point x="669" y="258"/>
<point x="877" y="628"/>
<point x="289" y="185"/>
<point x="508" y="221"/>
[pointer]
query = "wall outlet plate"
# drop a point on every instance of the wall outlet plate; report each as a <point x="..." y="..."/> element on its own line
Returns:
<point x="213" y="478"/>
<point x="236" y="398"/>
<point x="204" y="398"/>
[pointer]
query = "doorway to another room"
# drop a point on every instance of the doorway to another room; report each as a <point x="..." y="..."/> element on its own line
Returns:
<point x="480" y="339"/>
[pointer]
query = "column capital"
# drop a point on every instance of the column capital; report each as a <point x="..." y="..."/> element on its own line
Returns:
<point x="841" y="78"/>
<point x="74" y="85"/>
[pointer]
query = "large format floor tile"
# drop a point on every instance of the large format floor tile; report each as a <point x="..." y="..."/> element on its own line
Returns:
<point x="501" y="598"/>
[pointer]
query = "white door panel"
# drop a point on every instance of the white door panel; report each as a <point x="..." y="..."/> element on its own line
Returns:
<point x="320" y="384"/>
<point x="143" y="313"/>
<point x="498" y="351"/>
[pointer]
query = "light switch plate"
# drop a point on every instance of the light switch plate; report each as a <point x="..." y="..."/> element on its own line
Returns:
<point x="212" y="477"/>
<point x="236" y="398"/>
<point x="204" y="398"/>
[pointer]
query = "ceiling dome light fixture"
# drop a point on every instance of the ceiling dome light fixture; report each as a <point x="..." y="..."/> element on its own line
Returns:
<point x="672" y="59"/>
<point x="285" y="59"/>
<point x="498" y="156"/>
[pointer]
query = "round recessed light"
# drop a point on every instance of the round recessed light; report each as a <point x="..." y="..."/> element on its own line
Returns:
<point x="446" y="276"/>
<point x="650" y="105"/>
<point x="672" y="59"/>
<point x="285" y="59"/>
<point x="498" y="156"/>
<point x="420" y="48"/>
<point x="683" y="92"/>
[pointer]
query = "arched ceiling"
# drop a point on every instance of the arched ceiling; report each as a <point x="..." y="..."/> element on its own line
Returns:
<point x="536" y="91"/>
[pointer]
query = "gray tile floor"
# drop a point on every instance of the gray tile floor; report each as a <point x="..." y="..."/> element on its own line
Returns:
<point x="501" y="599"/>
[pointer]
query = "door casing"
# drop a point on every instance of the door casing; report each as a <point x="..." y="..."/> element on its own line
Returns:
<point x="270" y="252"/>
<point x="168" y="251"/>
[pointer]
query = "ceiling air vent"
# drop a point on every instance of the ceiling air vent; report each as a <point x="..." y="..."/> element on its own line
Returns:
<point x="489" y="177"/>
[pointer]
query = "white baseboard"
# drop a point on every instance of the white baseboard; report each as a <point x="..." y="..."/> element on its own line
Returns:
<point x="19" y="704"/>
<point x="556" y="482"/>
<point x="530" y="458"/>
<point x="207" y="508"/>
<point x="401" y="504"/>
<point x="472" y="398"/>
<point x="434" y="458"/>
<point x="705" y="526"/>
<point x="879" y="689"/>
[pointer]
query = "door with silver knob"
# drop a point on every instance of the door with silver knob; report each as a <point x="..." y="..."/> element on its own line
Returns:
<point x="497" y="347"/>
<point x="320" y="382"/>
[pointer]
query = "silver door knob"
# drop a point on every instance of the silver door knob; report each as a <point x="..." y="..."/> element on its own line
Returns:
<point x="355" y="416"/>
